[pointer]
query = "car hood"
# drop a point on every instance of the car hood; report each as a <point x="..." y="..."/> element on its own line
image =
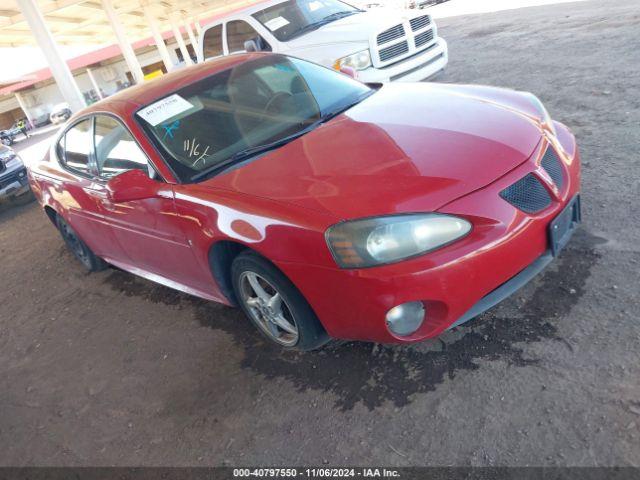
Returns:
<point x="352" y="29"/>
<point x="406" y="148"/>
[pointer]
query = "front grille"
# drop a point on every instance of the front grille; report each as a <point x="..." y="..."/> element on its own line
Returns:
<point x="394" y="51"/>
<point x="19" y="176"/>
<point x="423" y="38"/>
<point x="390" y="34"/>
<point x="551" y="164"/>
<point x="527" y="194"/>
<point x="420" y="22"/>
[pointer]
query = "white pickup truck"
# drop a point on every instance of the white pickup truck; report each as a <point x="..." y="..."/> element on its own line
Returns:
<point x="381" y="45"/>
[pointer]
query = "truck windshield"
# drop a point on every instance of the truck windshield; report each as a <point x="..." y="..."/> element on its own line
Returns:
<point x="255" y="106"/>
<point x="290" y="19"/>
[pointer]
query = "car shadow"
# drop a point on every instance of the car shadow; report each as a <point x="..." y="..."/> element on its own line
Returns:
<point x="372" y="374"/>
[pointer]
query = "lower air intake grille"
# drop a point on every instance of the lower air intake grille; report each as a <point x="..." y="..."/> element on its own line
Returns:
<point x="527" y="194"/>
<point x="551" y="164"/>
<point x="393" y="51"/>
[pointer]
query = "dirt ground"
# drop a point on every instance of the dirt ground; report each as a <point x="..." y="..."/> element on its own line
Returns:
<point x="109" y="369"/>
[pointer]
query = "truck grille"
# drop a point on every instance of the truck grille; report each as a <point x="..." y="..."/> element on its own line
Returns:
<point x="551" y="164"/>
<point x="402" y="40"/>
<point x="391" y="34"/>
<point x="527" y="194"/>
<point x="420" y="22"/>
<point x="423" y="38"/>
<point x="393" y="51"/>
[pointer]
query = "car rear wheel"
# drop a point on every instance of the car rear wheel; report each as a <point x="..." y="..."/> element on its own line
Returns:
<point x="79" y="249"/>
<point x="274" y="305"/>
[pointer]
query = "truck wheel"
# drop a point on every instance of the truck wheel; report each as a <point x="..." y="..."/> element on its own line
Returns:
<point x="274" y="304"/>
<point x="79" y="249"/>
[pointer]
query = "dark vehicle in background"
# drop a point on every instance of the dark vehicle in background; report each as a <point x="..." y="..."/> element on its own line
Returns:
<point x="13" y="175"/>
<point x="60" y="113"/>
<point x="7" y="137"/>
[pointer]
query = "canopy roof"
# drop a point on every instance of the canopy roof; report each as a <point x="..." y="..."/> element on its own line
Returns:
<point x="82" y="22"/>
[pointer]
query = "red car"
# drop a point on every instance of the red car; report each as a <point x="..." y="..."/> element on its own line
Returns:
<point x="322" y="206"/>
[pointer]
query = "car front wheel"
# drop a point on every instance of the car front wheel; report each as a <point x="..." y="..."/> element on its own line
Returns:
<point x="79" y="249"/>
<point x="274" y="305"/>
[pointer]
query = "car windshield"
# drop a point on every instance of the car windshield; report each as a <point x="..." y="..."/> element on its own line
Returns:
<point x="293" y="18"/>
<point x="255" y="106"/>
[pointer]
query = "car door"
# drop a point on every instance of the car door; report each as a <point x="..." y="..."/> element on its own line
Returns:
<point x="76" y="193"/>
<point x="147" y="229"/>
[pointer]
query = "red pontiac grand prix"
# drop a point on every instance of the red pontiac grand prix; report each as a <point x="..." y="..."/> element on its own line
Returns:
<point x="322" y="206"/>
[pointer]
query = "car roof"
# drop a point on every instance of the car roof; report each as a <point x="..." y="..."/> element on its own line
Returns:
<point x="150" y="91"/>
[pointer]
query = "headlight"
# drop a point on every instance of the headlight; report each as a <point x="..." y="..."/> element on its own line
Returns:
<point x="545" y="118"/>
<point x="358" y="61"/>
<point x="376" y="241"/>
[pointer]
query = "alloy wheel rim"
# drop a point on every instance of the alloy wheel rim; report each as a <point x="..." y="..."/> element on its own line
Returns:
<point x="268" y="309"/>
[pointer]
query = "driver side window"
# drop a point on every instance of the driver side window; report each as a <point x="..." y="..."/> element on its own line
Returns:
<point x="116" y="150"/>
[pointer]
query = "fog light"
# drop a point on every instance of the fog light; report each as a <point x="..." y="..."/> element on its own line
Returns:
<point x="406" y="318"/>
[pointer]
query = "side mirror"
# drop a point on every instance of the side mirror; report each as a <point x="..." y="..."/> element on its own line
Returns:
<point x="350" y="71"/>
<point x="131" y="185"/>
<point x="251" y="45"/>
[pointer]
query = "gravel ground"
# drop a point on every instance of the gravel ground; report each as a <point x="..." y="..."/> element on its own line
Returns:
<point x="108" y="369"/>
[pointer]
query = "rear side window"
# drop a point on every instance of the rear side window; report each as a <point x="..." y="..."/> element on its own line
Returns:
<point x="212" y="42"/>
<point x="78" y="143"/>
<point x="238" y="32"/>
<point x="116" y="150"/>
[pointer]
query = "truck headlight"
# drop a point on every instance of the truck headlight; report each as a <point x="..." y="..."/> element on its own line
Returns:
<point x="357" y="61"/>
<point x="389" y="239"/>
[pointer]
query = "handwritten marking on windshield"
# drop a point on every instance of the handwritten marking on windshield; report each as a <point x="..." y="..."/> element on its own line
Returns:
<point x="192" y="149"/>
<point x="169" y="129"/>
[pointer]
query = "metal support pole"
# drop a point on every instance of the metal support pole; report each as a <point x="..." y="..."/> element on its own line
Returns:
<point x="96" y="87"/>
<point x="157" y="37"/>
<point x="59" y="68"/>
<point x="127" y="50"/>
<point x="190" y="34"/>
<point x="196" y="22"/>
<point x="23" y="107"/>
<point x="178" y="35"/>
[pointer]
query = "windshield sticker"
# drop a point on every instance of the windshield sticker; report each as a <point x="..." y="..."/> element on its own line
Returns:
<point x="192" y="149"/>
<point x="164" y="109"/>
<point x="313" y="6"/>
<point x="276" y="23"/>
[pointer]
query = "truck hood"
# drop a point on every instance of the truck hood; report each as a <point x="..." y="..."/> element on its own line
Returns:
<point x="406" y="148"/>
<point x="356" y="28"/>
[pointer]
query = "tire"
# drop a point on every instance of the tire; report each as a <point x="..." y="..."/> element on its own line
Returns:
<point x="7" y="141"/>
<point x="79" y="249"/>
<point x="288" y="322"/>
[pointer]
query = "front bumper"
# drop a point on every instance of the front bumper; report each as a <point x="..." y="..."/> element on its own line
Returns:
<point x="14" y="183"/>
<point x="506" y="249"/>
<point x="420" y="66"/>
